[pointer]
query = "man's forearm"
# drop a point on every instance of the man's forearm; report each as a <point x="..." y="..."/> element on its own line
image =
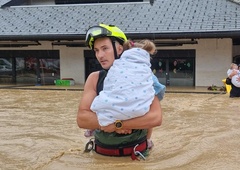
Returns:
<point x="87" y="120"/>
<point x="144" y="122"/>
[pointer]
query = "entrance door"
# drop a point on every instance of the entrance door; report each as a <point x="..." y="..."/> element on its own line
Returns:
<point x="175" y="67"/>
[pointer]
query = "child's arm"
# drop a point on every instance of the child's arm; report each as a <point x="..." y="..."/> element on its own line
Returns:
<point x="158" y="87"/>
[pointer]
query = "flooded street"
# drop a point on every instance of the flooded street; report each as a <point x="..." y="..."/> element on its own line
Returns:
<point x="38" y="130"/>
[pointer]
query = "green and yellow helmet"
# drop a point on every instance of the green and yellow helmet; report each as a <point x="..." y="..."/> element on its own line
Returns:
<point x="103" y="30"/>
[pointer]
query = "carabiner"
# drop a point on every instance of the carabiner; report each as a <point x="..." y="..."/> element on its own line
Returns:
<point x="137" y="153"/>
<point x="89" y="146"/>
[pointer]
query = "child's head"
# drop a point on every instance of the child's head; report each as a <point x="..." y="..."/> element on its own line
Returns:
<point x="145" y="44"/>
<point x="234" y="66"/>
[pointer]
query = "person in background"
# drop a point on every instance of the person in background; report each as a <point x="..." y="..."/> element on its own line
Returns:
<point x="175" y="66"/>
<point x="233" y="74"/>
<point x="233" y="67"/>
<point x="121" y="138"/>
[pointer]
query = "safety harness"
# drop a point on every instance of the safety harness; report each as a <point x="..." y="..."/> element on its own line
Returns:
<point x="136" y="151"/>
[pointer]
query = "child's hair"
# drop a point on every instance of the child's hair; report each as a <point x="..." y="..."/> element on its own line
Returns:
<point x="232" y="65"/>
<point x="145" y="44"/>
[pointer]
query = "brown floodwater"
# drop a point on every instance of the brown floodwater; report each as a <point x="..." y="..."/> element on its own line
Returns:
<point x="38" y="130"/>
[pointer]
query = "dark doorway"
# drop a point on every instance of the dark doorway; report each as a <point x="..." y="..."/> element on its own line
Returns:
<point x="91" y="63"/>
<point x="236" y="59"/>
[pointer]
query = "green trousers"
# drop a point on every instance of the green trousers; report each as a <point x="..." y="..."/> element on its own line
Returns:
<point x="119" y="140"/>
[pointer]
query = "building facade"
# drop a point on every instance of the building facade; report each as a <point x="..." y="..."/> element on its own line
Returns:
<point x="41" y="41"/>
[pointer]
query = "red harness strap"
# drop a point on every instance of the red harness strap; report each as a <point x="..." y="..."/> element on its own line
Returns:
<point x="120" y="151"/>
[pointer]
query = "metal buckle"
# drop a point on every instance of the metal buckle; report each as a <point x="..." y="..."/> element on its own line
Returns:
<point x="137" y="153"/>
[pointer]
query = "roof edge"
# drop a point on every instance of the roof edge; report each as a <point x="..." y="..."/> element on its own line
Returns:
<point x="180" y="35"/>
<point x="183" y="35"/>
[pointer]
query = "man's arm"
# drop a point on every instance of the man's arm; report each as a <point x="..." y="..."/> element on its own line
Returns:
<point x="151" y="119"/>
<point x="233" y="73"/>
<point x="85" y="117"/>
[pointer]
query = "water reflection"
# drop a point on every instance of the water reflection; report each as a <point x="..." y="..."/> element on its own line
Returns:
<point x="38" y="131"/>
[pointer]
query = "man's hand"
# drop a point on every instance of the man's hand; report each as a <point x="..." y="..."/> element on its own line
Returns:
<point x="124" y="131"/>
<point x="111" y="128"/>
<point x="234" y="72"/>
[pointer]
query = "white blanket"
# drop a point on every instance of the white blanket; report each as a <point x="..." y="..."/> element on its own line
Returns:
<point x="128" y="88"/>
<point x="234" y="79"/>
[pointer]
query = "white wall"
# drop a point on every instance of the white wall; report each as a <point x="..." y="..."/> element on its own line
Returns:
<point x="214" y="57"/>
<point x="72" y="64"/>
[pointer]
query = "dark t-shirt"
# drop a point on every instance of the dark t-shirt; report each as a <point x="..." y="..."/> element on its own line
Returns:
<point x="235" y="91"/>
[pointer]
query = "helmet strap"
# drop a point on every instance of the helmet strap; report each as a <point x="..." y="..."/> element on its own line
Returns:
<point x="114" y="49"/>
